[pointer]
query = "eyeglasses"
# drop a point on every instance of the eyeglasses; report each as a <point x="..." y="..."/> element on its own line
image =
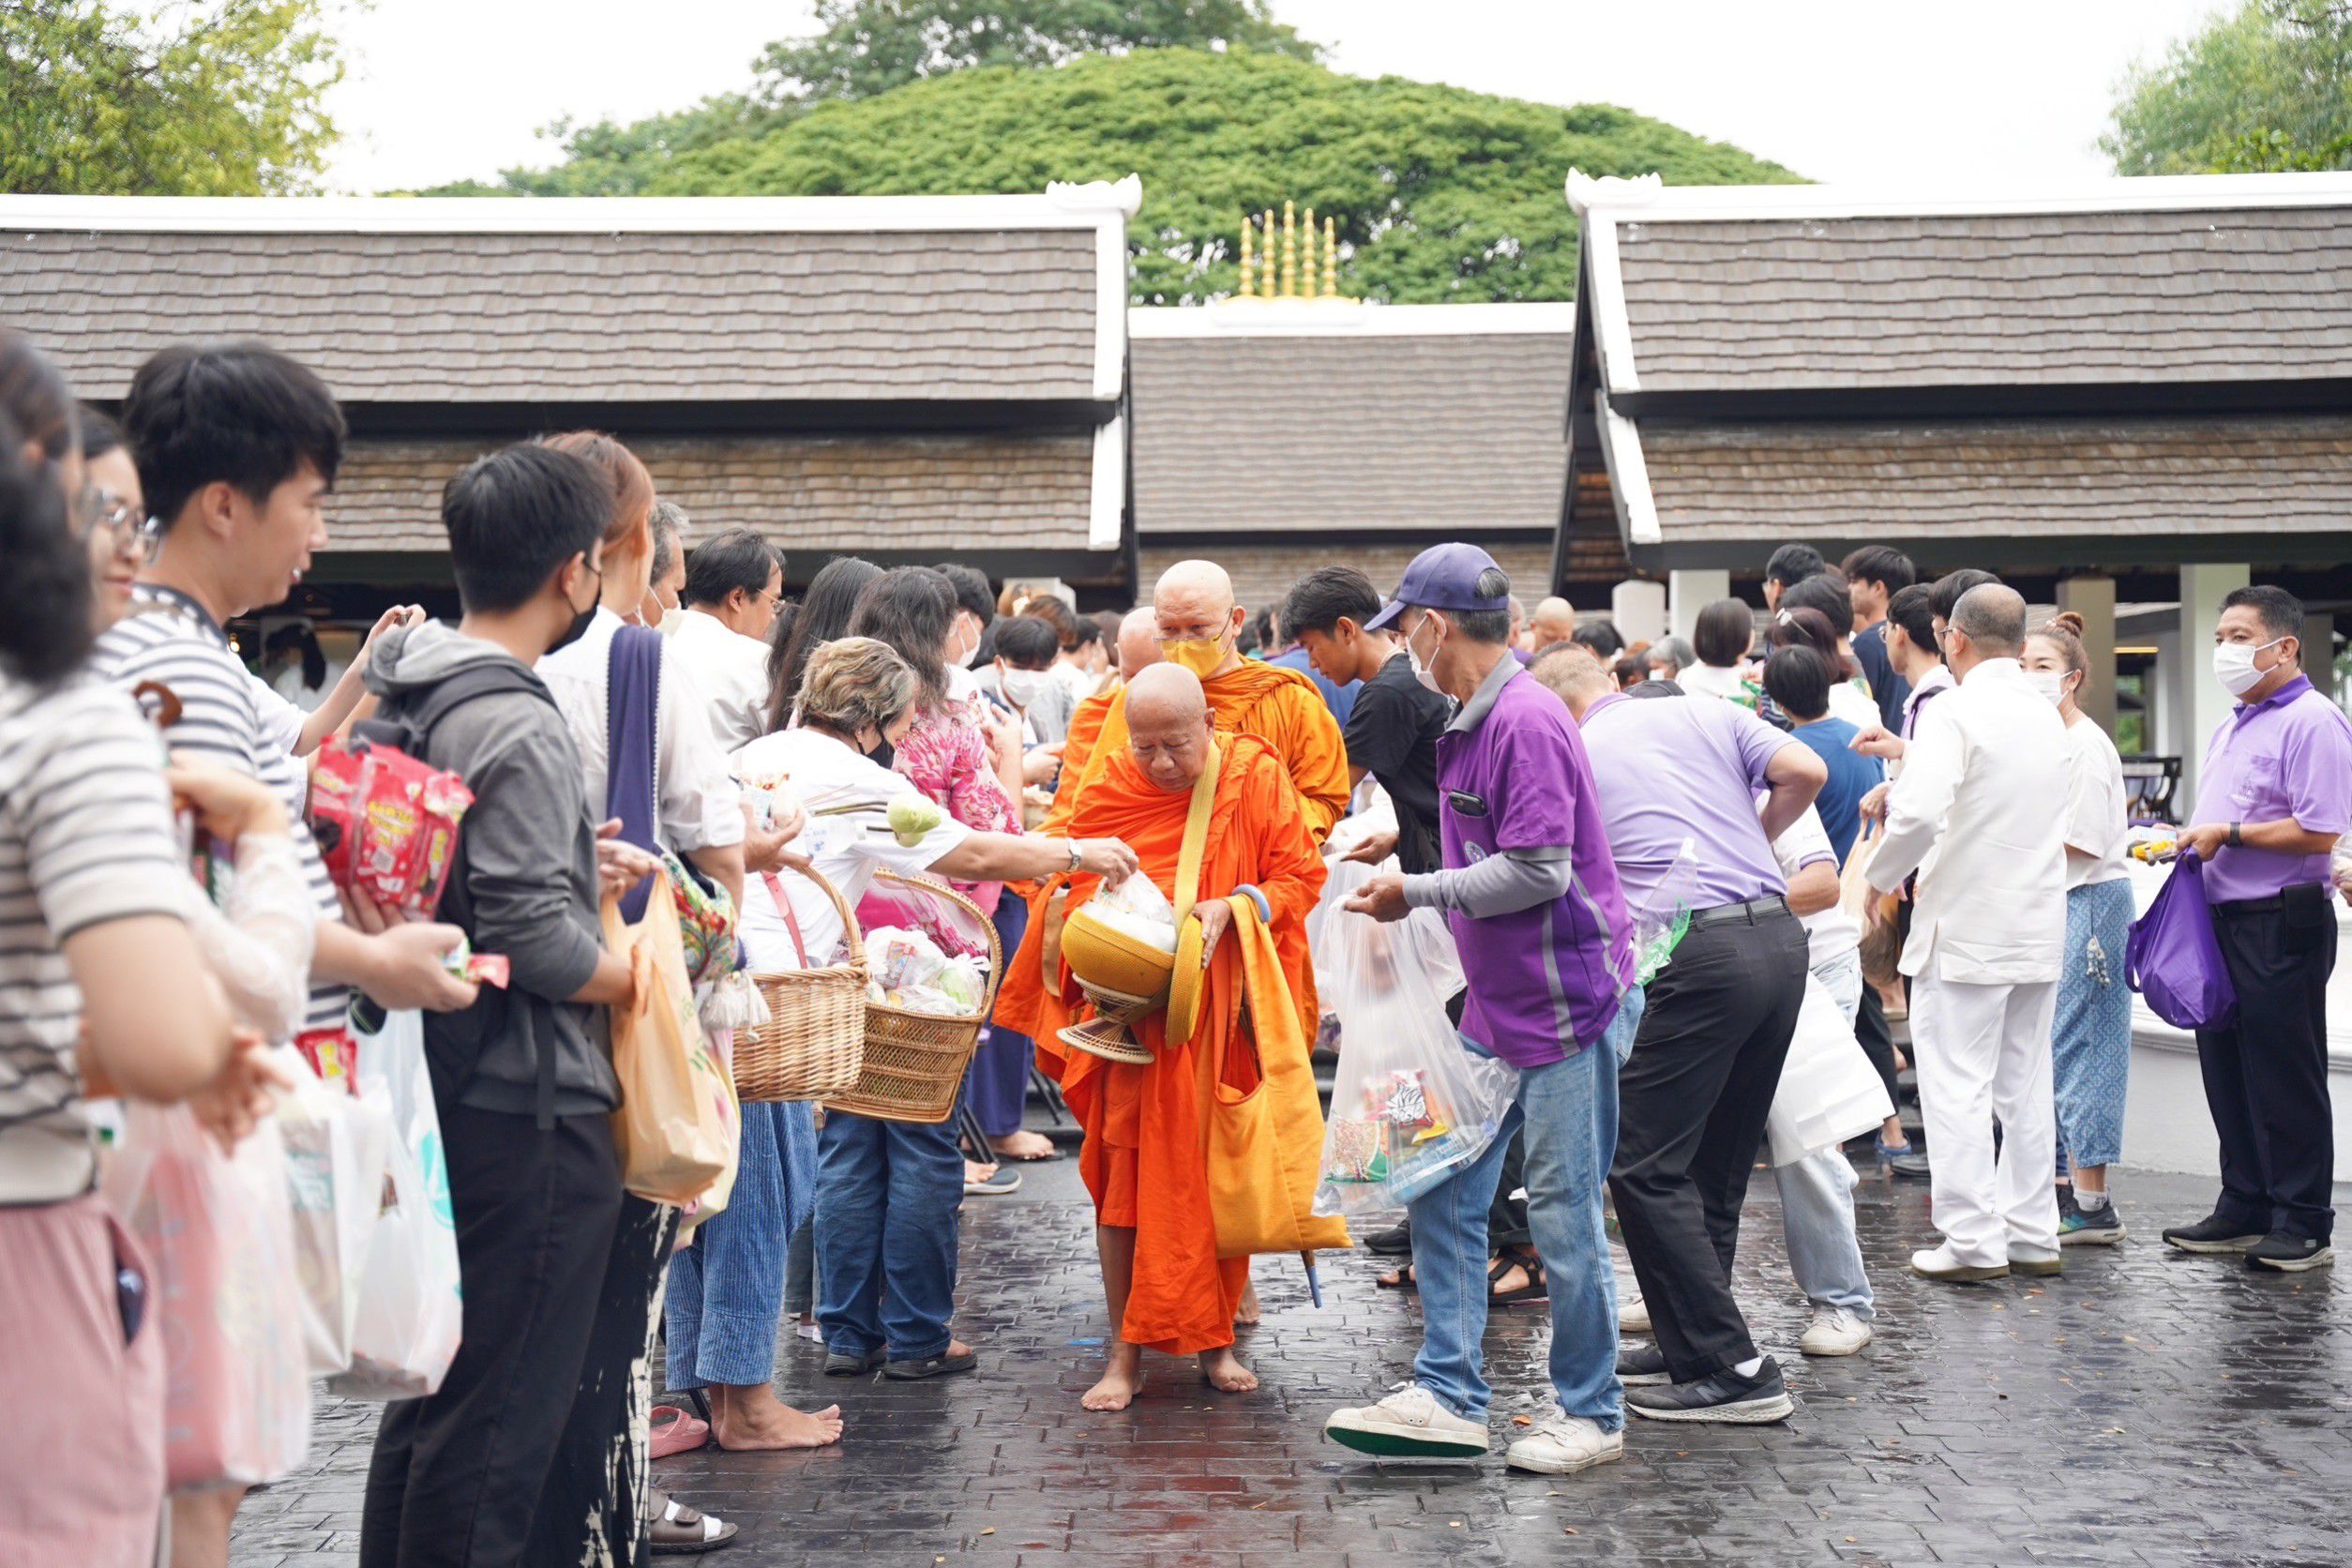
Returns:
<point x="132" y="530"/>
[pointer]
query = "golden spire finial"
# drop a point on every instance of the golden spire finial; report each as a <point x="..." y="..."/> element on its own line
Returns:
<point x="1289" y="251"/>
<point x="1307" y="256"/>
<point x="1249" y="276"/>
<point x="1330" y="258"/>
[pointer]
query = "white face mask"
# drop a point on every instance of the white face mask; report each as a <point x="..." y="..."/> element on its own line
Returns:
<point x="2051" y="684"/>
<point x="2234" y="665"/>
<point x="1022" y="687"/>
<point x="1423" y="669"/>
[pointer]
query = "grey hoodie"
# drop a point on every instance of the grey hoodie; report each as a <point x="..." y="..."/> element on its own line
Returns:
<point x="524" y="884"/>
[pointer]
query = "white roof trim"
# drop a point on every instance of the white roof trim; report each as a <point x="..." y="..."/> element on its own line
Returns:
<point x="1110" y="307"/>
<point x="1620" y="449"/>
<point x="1347" y="318"/>
<point x="1612" y="331"/>
<point x="1106" y="503"/>
<point x="1098" y="205"/>
<point x="1627" y="201"/>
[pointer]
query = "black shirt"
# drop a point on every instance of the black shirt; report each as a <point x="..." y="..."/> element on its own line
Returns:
<point x="1888" y="688"/>
<point x="1392" y="733"/>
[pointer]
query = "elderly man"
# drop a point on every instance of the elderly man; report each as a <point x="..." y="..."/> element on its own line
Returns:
<point x="1138" y="642"/>
<point x="1692" y="794"/>
<point x="1173" y="1265"/>
<point x="733" y="584"/>
<point x="2274" y="798"/>
<point x="1528" y="889"/>
<point x="669" y="524"/>
<point x="1553" y="621"/>
<point x="1975" y="814"/>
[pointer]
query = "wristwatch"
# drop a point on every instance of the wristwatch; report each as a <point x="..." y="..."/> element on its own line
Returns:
<point x="1077" y="853"/>
<point x="2236" y="836"/>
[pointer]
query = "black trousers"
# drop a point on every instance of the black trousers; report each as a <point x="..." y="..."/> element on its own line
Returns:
<point x="1692" y="1100"/>
<point x="2266" y="1075"/>
<point x="457" y="1476"/>
<point x="1878" y="1040"/>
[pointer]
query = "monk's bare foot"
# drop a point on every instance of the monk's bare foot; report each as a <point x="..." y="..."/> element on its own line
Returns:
<point x="1023" y="1146"/>
<point x="1224" y="1372"/>
<point x="1247" y="1311"/>
<point x="1122" y="1380"/>
<point x="751" y="1419"/>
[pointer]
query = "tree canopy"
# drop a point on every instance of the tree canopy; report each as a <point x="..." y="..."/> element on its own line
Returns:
<point x="221" y="98"/>
<point x="2267" y="87"/>
<point x="1440" y="193"/>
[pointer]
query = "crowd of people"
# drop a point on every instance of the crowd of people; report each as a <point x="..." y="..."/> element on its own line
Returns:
<point x="1883" y="790"/>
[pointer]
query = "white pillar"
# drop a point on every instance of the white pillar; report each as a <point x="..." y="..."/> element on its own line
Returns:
<point x="2093" y="599"/>
<point x="1639" y="611"/>
<point x="1692" y="592"/>
<point x="2199" y="703"/>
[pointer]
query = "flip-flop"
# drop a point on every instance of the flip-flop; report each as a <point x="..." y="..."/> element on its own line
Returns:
<point x="1046" y="1159"/>
<point x="676" y="1432"/>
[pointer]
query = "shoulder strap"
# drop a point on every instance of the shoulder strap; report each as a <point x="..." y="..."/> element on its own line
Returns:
<point x="632" y="711"/>
<point x="784" y="907"/>
<point x="1196" y="843"/>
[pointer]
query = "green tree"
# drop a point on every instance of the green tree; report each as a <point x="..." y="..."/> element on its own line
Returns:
<point x="2267" y="87"/>
<point x="1440" y="193"/>
<point x="225" y="97"/>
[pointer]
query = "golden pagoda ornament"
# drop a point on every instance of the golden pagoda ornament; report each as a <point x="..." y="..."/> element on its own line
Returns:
<point x="1280" y="265"/>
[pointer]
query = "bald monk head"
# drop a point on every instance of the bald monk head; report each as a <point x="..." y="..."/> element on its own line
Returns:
<point x="1553" y="621"/>
<point x="1197" y="618"/>
<point x="1167" y="725"/>
<point x="1138" y="641"/>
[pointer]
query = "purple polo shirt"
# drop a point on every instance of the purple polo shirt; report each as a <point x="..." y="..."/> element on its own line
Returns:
<point x="1671" y="769"/>
<point x="2289" y="755"/>
<point x="1513" y="777"/>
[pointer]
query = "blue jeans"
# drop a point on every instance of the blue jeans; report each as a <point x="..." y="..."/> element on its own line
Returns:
<point x="886" y="1197"/>
<point x="1817" y="1193"/>
<point x="726" y="1289"/>
<point x="1569" y="1111"/>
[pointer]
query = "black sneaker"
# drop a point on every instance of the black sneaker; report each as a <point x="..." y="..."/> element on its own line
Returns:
<point x="2212" y="1233"/>
<point x="842" y="1364"/>
<point x="1723" y="1397"/>
<point x="1643" y="1368"/>
<point x="2289" y="1252"/>
<point x="1394" y="1242"/>
<point x="2081" y="1227"/>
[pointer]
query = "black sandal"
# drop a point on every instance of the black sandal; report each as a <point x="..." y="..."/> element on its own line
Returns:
<point x="1534" y="1290"/>
<point x="1399" y="1278"/>
<point x="940" y="1365"/>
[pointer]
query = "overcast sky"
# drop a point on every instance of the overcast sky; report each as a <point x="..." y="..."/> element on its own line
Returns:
<point x="1859" y="90"/>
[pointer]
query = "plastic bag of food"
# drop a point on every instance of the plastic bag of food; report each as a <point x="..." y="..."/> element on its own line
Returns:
<point x="901" y="959"/>
<point x="1136" y="908"/>
<point x="336" y="1148"/>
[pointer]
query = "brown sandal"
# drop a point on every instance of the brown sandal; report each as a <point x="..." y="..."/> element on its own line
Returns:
<point x="680" y="1530"/>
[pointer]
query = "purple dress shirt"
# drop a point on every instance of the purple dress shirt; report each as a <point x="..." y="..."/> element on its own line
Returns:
<point x="2289" y="755"/>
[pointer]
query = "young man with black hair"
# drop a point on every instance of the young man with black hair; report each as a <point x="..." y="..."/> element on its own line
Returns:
<point x="522" y="1079"/>
<point x="733" y="584"/>
<point x="1791" y="565"/>
<point x="2273" y="800"/>
<point x="1873" y="575"/>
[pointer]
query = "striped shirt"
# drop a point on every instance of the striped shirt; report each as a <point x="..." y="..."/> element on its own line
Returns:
<point x="85" y="838"/>
<point x="228" y="716"/>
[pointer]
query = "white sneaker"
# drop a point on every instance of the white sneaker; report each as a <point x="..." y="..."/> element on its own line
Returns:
<point x="1633" y="1313"/>
<point x="1835" y="1332"/>
<point x="1564" y="1444"/>
<point x="1410" y="1424"/>
<point x="1941" y="1262"/>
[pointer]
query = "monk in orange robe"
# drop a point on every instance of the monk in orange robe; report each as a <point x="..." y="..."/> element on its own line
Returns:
<point x="1167" y="1226"/>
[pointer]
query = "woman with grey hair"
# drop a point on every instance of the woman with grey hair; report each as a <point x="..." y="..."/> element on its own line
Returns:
<point x="885" y="1193"/>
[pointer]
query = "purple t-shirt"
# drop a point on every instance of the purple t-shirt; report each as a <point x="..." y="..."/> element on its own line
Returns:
<point x="2289" y="755"/>
<point x="1674" y="769"/>
<point x="1513" y="776"/>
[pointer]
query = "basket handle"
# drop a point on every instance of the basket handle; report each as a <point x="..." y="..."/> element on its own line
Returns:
<point x="791" y="922"/>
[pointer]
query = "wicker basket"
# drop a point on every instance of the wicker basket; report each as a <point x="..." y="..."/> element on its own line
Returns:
<point x="813" y="1046"/>
<point x="915" y="1061"/>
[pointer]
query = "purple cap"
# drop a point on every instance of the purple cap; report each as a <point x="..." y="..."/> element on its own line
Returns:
<point x="1443" y="576"/>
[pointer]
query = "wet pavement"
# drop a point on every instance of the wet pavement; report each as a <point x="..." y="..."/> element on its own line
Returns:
<point x="2144" y="1408"/>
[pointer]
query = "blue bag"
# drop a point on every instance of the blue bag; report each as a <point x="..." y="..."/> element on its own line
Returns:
<point x="2175" y="960"/>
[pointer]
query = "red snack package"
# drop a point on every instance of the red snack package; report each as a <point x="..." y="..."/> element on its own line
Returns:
<point x="386" y="823"/>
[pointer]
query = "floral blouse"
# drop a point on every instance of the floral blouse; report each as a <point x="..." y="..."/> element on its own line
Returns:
<point x="945" y="755"/>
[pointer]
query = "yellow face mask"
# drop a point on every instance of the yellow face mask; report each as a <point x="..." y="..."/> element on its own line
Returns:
<point x="1200" y="654"/>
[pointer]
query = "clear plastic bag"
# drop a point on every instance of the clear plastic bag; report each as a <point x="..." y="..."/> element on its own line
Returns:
<point x="218" y="1237"/>
<point x="1409" y="1107"/>
<point x="336" y="1148"/>
<point x="1137" y="908"/>
<point x="1662" y="917"/>
<point x="411" y="1314"/>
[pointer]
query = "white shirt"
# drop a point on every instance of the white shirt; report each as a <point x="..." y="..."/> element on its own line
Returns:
<point x="1707" y="680"/>
<point x="847" y="849"/>
<point x="1831" y="933"/>
<point x="732" y="670"/>
<point x="2095" y="820"/>
<point x="1851" y="702"/>
<point x="1936" y="680"/>
<point x="697" y="805"/>
<point x="1973" y="813"/>
<point x="290" y="686"/>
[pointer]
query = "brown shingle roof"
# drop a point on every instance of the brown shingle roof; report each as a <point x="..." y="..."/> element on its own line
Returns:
<point x="946" y="493"/>
<point x="1264" y="574"/>
<point x="1350" y="434"/>
<point x="558" y="317"/>
<point x="2001" y="480"/>
<point x="2019" y="298"/>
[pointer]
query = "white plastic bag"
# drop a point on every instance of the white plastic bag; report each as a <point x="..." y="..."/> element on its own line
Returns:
<point x="411" y="1314"/>
<point x="1137" y="908"/>
<point x="1409" y="1107"/>
<point x="336" y="1149"/>
<point x="1829" y="1092"/>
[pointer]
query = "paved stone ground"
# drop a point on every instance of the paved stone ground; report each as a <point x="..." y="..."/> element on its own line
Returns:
<point x="2144" y="1408"/>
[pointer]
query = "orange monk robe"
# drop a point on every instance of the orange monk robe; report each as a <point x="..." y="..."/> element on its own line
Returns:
<point x="1148" y="1128"/>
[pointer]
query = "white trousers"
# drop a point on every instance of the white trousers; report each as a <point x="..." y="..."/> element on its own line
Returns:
<point x="1983" y="1051"/>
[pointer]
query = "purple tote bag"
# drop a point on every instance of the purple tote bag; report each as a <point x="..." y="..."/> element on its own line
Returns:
<point x="2175" y="960"/>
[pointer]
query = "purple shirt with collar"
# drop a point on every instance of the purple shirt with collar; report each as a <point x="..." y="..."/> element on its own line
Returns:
<point x="2289" y="755"/>
<point x="1513" y="780"/>
<point x="1677" y="768"/>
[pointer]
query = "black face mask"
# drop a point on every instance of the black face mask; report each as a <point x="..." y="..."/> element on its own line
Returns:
<point x="578" y="628"/>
